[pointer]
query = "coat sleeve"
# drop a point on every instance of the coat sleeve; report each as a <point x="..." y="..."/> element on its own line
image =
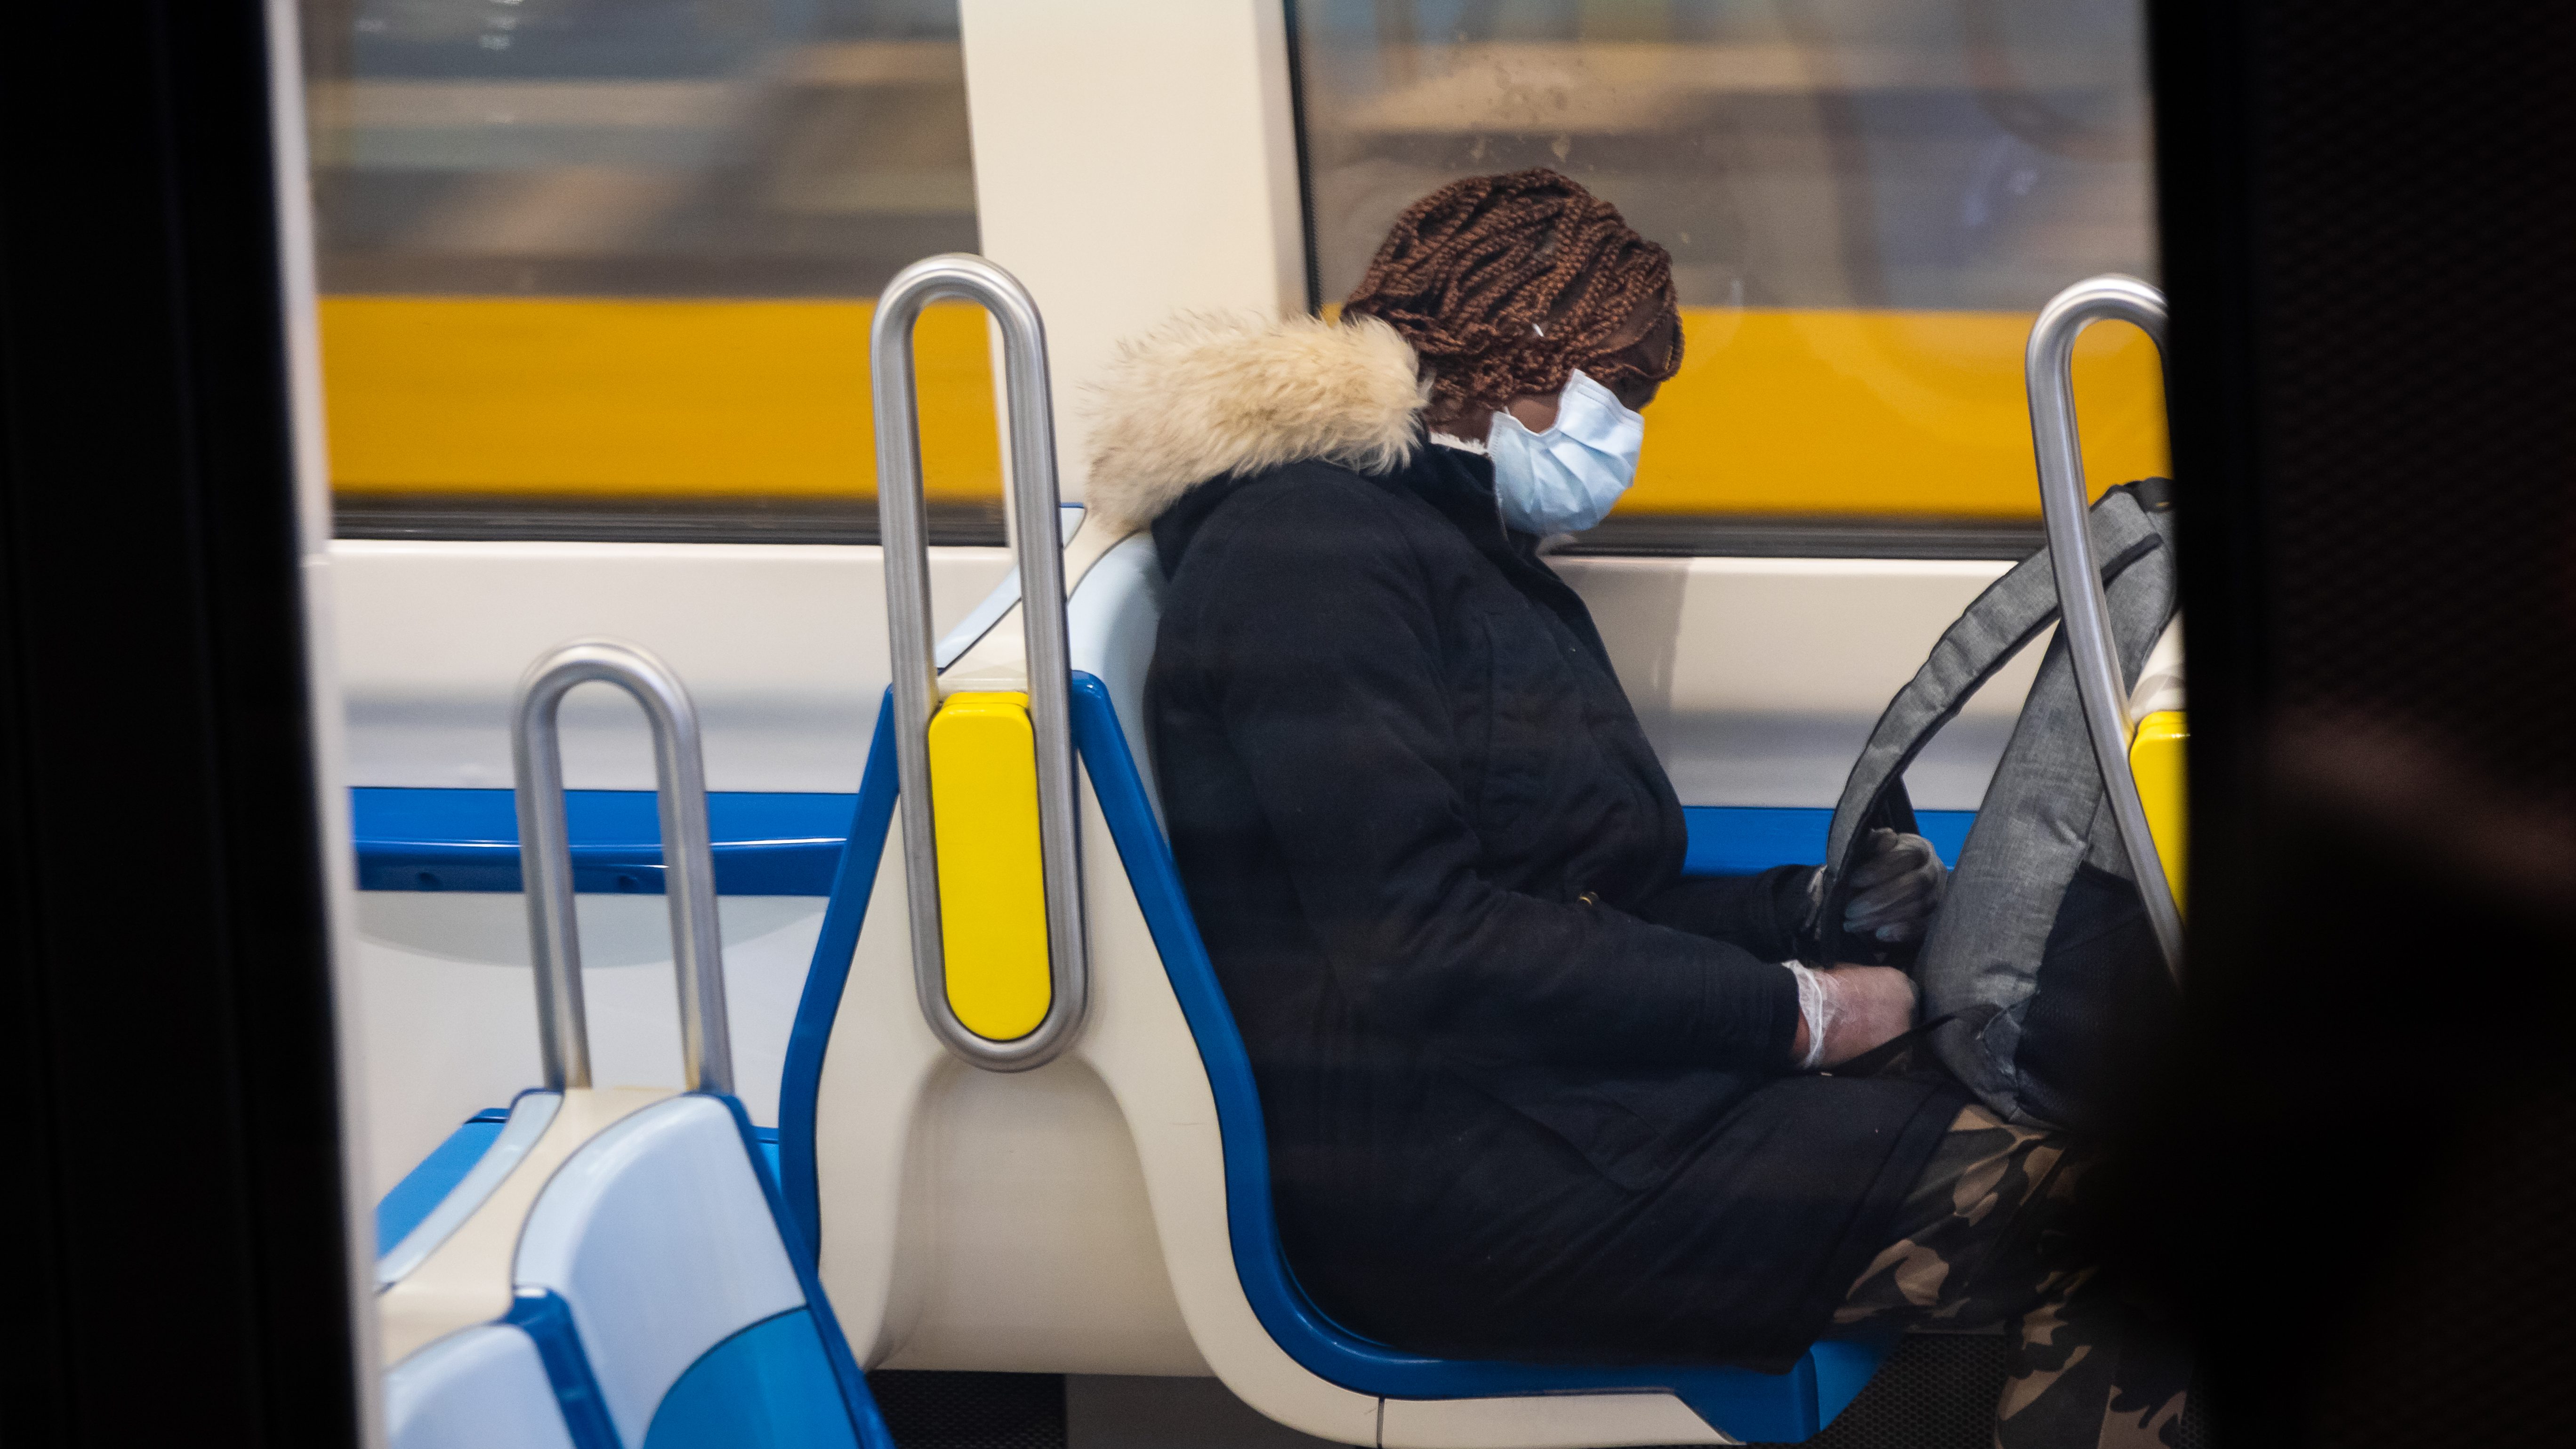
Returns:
<point x="1765" y="914"/>
<point x="1322" y="664"/>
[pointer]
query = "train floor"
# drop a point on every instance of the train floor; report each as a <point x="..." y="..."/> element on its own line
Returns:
<point x="1937" y="1391"/>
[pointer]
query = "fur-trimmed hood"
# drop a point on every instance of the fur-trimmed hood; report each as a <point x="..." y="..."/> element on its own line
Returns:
<point x="1209" y="395"/>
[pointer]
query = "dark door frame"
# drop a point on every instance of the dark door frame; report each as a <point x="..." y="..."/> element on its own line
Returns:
<point x="175" y="1193"/>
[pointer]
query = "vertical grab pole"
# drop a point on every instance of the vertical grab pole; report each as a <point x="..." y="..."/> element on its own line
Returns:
<point x="688" y="859"/>
<point x="903" y="527"/>
<point x="2048" y="369"/>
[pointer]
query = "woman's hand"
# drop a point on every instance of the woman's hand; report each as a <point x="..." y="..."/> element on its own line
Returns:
<point x="1864" y="1007"/>
<point x="1896" y="887"/>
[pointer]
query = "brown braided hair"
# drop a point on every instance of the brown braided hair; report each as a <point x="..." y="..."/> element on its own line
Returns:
<point x="1468" y="272"/>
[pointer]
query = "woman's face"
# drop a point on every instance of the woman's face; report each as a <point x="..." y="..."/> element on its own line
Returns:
<point x="1648" y="339"/>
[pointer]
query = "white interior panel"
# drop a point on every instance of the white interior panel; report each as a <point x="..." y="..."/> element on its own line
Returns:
<point x="1031" y="1232"/>
<point x="1758" y="678"/>
<point x="1132" y="161"/>
<point x="451" y="1005"/>
<point x="782" y="646"/>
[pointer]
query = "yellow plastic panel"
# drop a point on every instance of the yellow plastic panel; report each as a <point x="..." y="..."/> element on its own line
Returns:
<point x="555" y="395"/>
<point x="1775" y="411"/>
<point x="2156" y="758"/>
<point x="992" y="881"/>
<point x="1882" y="413"/>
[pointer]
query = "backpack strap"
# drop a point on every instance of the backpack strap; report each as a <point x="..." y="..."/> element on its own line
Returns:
<point x="2012" y="611"/>
<point x="1879" y="1058"/>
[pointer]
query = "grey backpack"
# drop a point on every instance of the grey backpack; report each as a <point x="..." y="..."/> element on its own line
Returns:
<point x="2044" y="982"/>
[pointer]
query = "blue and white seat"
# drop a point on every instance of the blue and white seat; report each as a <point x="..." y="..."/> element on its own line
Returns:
<point x="617" y="1268"/>
<point x="485" y="1385"/>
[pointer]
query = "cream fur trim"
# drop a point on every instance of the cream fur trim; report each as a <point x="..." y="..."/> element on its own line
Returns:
<point x="1209" y="395"/>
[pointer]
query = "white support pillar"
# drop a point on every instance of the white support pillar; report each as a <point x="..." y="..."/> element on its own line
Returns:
<point x="1133" y="158"/>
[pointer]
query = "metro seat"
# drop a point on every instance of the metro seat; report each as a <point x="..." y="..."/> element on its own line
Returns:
<point x="1178" y="1068"/>
<point x="614" y="1268"/>
<point x="664" y="1245"/>
<point x="486" y="1386"/>
<point x="1114" y="616"/>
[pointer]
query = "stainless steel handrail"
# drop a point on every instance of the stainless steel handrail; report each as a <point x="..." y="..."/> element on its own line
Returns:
<point x="1033" y="505"/>
<point x="688" y="859"/>
<point x="2084" y="613"/>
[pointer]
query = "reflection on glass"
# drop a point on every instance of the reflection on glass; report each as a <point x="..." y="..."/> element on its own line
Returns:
<point x="1866" y="201"/>
<point x="585" y="257"/>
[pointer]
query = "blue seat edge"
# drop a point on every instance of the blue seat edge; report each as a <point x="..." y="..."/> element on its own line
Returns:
<point x="854" y="878"/>
<point x="1750" y="839"/>
<point x="852" y="1381"/>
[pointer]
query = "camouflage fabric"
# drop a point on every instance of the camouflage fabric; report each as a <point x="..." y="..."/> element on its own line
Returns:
<point x="1983" y="1241"/>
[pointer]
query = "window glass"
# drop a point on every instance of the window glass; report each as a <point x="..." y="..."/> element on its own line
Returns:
<point x="1866" y="202"/>
<point x="603" y="266"/>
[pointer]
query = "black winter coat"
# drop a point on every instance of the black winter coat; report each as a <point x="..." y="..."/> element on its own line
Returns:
<point x="1525" y="1088"/>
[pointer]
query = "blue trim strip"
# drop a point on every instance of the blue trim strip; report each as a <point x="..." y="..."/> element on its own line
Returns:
<point x="468" y="840"/>
<point x="855" y="1398"/>
<point x="427" y="1185"/>
<point x="1750" y="839"/>
<point x="547" y="1319"/>
<point x="791" y="844"/>
<point x="872" y="813"/>
<point x="1740" y="1402"/>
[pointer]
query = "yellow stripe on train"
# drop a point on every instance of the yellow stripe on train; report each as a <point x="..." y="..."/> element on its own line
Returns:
<point x="1775" y="411"/>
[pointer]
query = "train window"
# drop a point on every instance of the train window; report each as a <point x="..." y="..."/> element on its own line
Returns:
<point x="1866" y="202"/>
<point x="602" y="268"/>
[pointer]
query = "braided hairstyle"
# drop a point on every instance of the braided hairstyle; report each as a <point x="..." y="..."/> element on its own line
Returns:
<point x="1507" y="284"/>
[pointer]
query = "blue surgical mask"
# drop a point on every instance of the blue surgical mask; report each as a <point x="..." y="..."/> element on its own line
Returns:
<point x="1565" y="479"/>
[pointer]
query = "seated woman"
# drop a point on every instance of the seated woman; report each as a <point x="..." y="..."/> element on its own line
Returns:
<point x="1530" y="1094"/>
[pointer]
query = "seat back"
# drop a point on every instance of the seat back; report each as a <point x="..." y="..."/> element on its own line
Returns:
<point x="485" y="1387"/>
<point x="1110" y="623"/>
<point x="664" y="1244"/>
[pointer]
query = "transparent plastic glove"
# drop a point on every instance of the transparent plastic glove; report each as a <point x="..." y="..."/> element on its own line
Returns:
<point x="1895" y="888"/>
<point x="1846" y="1010"/>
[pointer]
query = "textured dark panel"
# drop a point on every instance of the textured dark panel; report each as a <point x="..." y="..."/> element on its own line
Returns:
<point x="2416" y="194"/>
<point x="971" y="1410"/>
<point x="2367" y="211"/>
<point x="2457" y="1344"/>
<point x="1936" y="1391"/>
